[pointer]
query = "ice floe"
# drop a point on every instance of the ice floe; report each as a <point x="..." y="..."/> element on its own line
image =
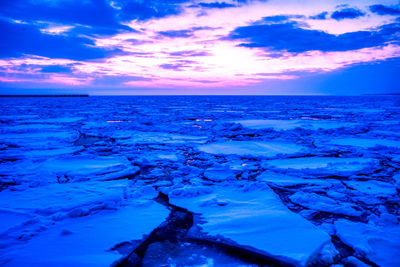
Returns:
<point x="379" y="244"/>
<point x="314" y="201"/>
<point x="88" y="240"/>
<point x="156" y="137"/>
<point x="324" y="165"/>
<point x="74" y="168"/>
<point x="251" y="148"/>
<point x="253" y="216"/>
<point x="291" y="124"/>
<point x="365" y="143"/>
<point x="371" y="187"/>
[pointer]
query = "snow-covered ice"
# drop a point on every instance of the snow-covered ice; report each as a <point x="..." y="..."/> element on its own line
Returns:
<point x="314" y="201"/>
<point x="371" y="187"/>
<point x="378" y="243"/>
<point x="200" y="181"/>
<point x="366" y="143"/>
<point x="151" y="137"/>
<point x="291" y="124"/>
<point x="251" y="148"/>
<point x="72" y="168"/>
<point x="292" y="180"/>
<point x="88" y="240"/>
<point x="252" y="216"/>
<point x="324" y="164"/>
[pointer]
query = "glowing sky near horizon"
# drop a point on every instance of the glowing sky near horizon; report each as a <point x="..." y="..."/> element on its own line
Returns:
<point x="200" y="47"/>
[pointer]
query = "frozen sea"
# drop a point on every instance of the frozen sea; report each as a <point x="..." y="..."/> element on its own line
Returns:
<point x="200" y="181"/>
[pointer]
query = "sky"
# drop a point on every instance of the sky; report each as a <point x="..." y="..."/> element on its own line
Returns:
<point x="243" y="47"/>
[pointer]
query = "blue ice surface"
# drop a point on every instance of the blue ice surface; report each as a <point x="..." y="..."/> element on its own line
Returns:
<point x="264" y="175"/>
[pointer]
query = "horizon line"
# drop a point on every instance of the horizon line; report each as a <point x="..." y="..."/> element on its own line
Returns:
<point x="88" y="95"/>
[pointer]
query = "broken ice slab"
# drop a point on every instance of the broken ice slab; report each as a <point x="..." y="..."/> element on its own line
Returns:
<point x="375" y="188"/>
<point x="289" y="180"/>
<point x="251" y="216"/>
<point x="314" y="201"/>
<point x="252" y="148"/>
<point x="79" y="167"/>
<point x="40" y="139"/>
<point x="279" y="125"/>
<point x="62" y="198"/>
<point x="365" y="143"/>
<point x="131" y="138"/>
<point x="219" y="174"/>
<point x="325" y="165"/>
<point x="86" y="241"/>
<point x="378" y="243"/>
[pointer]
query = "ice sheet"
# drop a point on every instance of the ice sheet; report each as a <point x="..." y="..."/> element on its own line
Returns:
<point x="77" y="167"/>
<point x="340" y="165"/>
<point x="375" y="188"/>
<point x="251" y="148"/>
<point x="292" y="124"/>
<point x="380" y="244"/>
<point x="86" y="241"/>
<point x="326" y="158"/>
<point x="314" y="201"/>
<point x="154" y="137"/>
<point x="269" y="226"/>
<point x="365" y="143"/>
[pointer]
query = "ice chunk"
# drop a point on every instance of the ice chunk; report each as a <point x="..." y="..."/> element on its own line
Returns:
<point x="39" y="139"/>
<point x="91" y="167"/>
<point x="289" y="180"/>
<point x="354" y="262"/>
<point x="376" y="188"/>
<point x="130" y="138"/>
<point x="86" y="241"/>
<point x="54" y="198"/>
<point x="365" y="143"/>
<point x="254" y="217"/>
<point x="380" y="245"/>
<point x="275" y="124"/>
<point x="79" y="167"/>
<point x="251" y="148"/>
<point x="324" y="164"/>
<point x="167" y="156"/>
<point x="219" y="174"/>
<point x="291" y="124"/>
<point x="317" y="202"/>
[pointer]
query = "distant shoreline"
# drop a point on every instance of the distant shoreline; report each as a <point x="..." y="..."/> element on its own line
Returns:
<point x="44" y="95"/>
